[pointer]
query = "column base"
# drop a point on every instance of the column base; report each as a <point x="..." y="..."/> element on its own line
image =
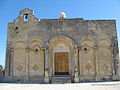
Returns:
<point x="26" y="79"/>
<point x="76" y="79"/>
<point x="116" y="78"/>
<point x="97" y="78"/>
<point x="46" y="79"/>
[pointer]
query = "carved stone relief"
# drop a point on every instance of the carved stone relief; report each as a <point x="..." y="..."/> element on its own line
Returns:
<point x="36" y="58"/>
<point x="19" y="68"/>
<point x="19" y="58"/>
<point x="105" y="57"/>
<point x="87" y="59"/>
<point x="35" y="67"/>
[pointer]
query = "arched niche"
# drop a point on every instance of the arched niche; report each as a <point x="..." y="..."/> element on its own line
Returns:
<point x="104" y="42"/>
<point x="36" y="58"/>
<point x="19" y="44"/>
<point x="105" y="58"/>
<point x="61" y="39"/>
<point x="34" y="42"/>
<point x="87" y="59"/>
<point x="61" y="44"/>
<point x="19" y="58"/>
<point x="88" y="41"/>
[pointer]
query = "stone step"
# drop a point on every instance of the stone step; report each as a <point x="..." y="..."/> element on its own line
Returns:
<point x="61" y="79"/>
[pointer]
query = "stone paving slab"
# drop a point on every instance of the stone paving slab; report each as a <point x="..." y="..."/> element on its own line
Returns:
<point x="80" y="86"/>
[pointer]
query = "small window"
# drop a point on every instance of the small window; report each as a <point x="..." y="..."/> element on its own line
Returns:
<point x="16" y="28"/>
<point x="26" y="17"/>
<point x="85" y="49"/>
<point x="36" y="50"/>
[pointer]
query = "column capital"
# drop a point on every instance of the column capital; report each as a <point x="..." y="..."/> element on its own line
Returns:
<point x="76" y="51"/>
<point x="75" y="46"/>
<point x="46" y="51"/>
<point x="95" y="47"/>
<point x="11" y="49"/>
<point x="27" y="49"/>
<point x="47" y="44"/>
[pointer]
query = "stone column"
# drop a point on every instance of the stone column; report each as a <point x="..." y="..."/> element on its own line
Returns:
<point x="11" y="61"/>
<point x="46" y="79"/>
<point x="113" y="70"/>
<point x="115" y="76"/>
<point x="7" y="63"/>
<point x="76" y="78"/>
<point x="46" y="59"/>
<point x="27" y="65"/>
<point x="97" y="77"/>
<point x="80" y="61"/>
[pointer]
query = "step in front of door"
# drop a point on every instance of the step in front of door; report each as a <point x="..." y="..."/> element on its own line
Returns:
<point x="61" y="80"/>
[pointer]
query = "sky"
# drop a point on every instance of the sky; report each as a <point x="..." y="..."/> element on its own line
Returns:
<point x="50" y="9"/>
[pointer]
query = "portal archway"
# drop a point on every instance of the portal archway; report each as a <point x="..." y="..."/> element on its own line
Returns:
<point x="61" y="55"/>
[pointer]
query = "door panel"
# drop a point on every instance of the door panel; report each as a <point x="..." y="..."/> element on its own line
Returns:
<point x="61" y="63"/>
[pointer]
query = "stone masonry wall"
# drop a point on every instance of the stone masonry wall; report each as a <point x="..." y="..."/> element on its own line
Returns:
<point x="44" y="30"/>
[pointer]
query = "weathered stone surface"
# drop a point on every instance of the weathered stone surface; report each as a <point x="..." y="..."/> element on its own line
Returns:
<point x="31" y="46"/>
<point x="2" y="76"/>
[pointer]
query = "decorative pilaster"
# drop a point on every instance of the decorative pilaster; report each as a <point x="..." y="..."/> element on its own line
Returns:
<point x="76" y="78"/>
<point x="113" y="69"/>
<point x="46" y="58"/>
<point x="7" y="63"/>
<point x="11" y="61"/>
<point x="27" y="64"/>
<point x="46" y="79"/>
<point x="115" y="75"/>
<point x="80" y="61"/>
<point x="97" y="77"/>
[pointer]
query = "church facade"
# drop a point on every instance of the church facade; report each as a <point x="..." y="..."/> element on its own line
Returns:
<point x="61" y="50"/>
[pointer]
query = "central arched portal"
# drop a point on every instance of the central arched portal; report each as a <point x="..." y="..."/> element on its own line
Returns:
<point x="61" y="59"/>
<point x="61" y="48"/>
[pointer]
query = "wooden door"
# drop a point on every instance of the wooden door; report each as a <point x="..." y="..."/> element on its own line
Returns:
<point x="61" y="63"/>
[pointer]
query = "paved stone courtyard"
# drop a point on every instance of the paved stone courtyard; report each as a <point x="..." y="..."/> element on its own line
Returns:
<point x="80" y="86"/>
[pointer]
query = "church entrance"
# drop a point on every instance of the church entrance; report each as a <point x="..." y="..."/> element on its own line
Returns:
<point x="61" y="63"/>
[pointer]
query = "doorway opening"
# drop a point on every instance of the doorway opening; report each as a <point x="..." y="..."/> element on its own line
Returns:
<point x="61" y="63"/>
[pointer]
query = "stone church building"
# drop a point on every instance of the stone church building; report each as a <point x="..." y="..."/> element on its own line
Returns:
<point x="63" y="50"/>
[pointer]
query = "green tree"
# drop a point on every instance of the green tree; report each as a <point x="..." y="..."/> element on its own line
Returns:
<point x="1" y="68"/>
